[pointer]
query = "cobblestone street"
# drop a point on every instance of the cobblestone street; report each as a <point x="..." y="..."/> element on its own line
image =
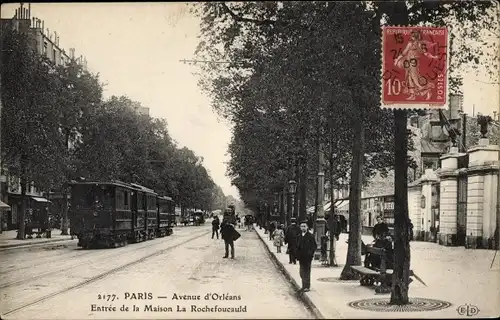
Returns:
<point x="68" y="288"/>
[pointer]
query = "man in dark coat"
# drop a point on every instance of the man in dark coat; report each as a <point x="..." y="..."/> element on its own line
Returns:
<point x="381" y="229"/>
<point x="292" y="234"/>
<point x="228" y="233"/>
<point x="215" y="227"/>
<point x="306" y="247"/>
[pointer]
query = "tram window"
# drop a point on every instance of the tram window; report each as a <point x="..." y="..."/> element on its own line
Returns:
<point x="83" y="197"/>
<point x="125" y="198"/>
<point x="108" y="199"/>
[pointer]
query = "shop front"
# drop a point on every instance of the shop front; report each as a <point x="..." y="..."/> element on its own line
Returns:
<point x="37" y="211"/>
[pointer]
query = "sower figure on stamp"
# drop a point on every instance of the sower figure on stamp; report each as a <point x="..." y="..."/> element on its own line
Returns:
<point x="306" y="247"/>
<point x="292" y="234"/>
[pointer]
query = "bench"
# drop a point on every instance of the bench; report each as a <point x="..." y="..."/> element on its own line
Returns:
<point x="371" y="275"/>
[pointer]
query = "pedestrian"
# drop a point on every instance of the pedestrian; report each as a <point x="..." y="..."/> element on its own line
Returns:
<point x="337" y="227"/>
<point x="279" y="236"/>
<point x="229" y="234"/>
<point x="250" y="223"/>
<point x="215" y="227"/>
<point x="381" y="229"/>
<point x="306" y="246"/>
<point x="272" y="227"/>
<point x="292" y="234"/>
<point x="410" y="230"/>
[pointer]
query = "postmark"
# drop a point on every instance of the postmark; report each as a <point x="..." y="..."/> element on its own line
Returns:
<point x="414" y="67"/>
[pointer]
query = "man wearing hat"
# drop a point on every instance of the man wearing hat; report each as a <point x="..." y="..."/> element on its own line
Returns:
<point x="291" y="237"/>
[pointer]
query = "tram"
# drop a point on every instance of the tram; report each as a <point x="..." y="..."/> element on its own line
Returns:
<point x="112" y="214"/>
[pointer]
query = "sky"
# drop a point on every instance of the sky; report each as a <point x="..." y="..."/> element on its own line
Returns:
<point x="136" y="48"/>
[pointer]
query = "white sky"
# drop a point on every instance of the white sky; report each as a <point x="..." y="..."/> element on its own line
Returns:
<point x="136" y="48"/>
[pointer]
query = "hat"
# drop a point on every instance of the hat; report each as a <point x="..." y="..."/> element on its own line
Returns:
<point x="293" y="220"/>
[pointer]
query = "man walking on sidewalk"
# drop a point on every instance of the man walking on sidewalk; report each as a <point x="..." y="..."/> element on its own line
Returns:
<point x="215" y="227"/>
<point x="305" y="251"/>
<point x="292" y="234"/>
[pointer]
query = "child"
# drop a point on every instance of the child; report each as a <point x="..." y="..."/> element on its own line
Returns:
<point x="279" y="236"/>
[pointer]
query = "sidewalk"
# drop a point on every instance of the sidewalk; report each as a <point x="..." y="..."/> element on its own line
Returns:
<point x="8" y="239"/>
<point x="452" y="274"/>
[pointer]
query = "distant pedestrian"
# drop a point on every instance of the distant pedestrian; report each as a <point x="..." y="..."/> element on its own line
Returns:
<point x="215" y="227"/>
<point x="337" y="227"/>
<point x="279" y="237"/>
<point x="250" y="223"/>
<point x="292" y="234"/>
<point x="306" y="247"/>
<point x="272" y="227"/>
<point x="229" y="234"/>
<point x="410" y="230"/>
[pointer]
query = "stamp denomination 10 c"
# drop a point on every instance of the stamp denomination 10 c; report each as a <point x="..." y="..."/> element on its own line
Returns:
<point x="414" y="67"/>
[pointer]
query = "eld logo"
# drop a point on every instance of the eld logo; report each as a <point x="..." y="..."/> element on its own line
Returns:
<point x="468" y="310"/>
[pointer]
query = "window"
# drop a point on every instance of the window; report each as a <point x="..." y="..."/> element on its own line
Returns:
<point x="45" y="48"/>
<point x="54" y="55"/>
<point x="125" y="198"/>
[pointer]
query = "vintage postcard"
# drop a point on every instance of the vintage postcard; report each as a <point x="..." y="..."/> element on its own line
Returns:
<point x="250" y="160"/>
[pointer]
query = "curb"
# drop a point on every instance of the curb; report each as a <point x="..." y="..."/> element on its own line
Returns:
<point x="304" y="297"/>
<point x="33" y="243"/>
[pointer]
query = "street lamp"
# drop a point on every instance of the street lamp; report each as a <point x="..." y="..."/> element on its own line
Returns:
<point x="292" y="188"/>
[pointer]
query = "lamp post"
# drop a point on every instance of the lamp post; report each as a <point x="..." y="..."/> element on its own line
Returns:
<point x="292" y="188"/>
<point x="320" y="222"/>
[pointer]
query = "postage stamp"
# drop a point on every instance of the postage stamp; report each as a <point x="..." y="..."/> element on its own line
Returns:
<point x="414" y="67"/>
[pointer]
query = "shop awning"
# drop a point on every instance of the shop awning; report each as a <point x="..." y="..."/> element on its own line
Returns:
<point x="39" y="199"/>
<point x="4" y="206"/>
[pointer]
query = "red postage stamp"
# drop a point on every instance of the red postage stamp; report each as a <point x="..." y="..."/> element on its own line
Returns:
<point x="414" y="67"/>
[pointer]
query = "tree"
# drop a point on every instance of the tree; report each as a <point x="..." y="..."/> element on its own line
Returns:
<point x="31" y="141"/>
<point x="471" y="19"/>
<point x="292" y="61"/>
<point x="81" y="93"/>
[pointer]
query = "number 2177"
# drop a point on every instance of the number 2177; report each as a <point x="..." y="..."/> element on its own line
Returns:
<point x="107" y="297"/>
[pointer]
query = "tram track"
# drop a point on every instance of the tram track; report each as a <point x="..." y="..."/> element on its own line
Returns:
<point x="72" y="266"/>
<point x="78" y="253"/>
<point x="102" y="275"/>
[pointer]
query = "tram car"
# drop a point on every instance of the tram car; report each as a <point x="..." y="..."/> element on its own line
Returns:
<point x="112" y="214"/>
<point x="230" y="214"/>
<point x="166" y="216"/>
<point x="198" y="218"/>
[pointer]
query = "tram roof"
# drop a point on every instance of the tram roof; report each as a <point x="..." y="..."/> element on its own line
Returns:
<point x="114" y="182"/>
<point x="142" y="188"/>
<point x="165" y="198"/>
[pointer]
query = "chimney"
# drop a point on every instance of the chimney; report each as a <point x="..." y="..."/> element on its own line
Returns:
<point x="43" y="27"/>
<point x="15" y="15"/>
<point x="27" y="15"/>
<point x="29" y="10"/>
<point x="55" y="38"/>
